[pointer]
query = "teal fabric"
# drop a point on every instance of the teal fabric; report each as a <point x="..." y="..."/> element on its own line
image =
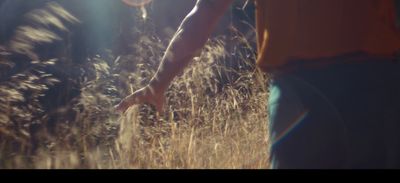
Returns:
<point x="343" y="116"/>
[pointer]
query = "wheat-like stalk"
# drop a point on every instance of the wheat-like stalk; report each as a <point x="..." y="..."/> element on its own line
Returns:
<point x="215" y="113"/>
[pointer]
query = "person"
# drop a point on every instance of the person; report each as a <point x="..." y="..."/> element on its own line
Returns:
<point x="334" y="95"/>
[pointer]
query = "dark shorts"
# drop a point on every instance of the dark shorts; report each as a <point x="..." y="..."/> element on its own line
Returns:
<point x="341" y="116"/>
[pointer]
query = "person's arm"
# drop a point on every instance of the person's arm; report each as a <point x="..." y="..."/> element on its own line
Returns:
<point x="187" y="42"/>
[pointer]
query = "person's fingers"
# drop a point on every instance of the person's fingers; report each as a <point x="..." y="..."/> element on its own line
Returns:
<point x="125" y="104"/>
<point x="118" y="108"/>
<point x="143" y="96"/>
<point x="159" y="105"/>
<point x="121" y="107"/>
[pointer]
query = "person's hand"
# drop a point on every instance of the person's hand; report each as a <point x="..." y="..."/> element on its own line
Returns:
<point x="146" y="95"/>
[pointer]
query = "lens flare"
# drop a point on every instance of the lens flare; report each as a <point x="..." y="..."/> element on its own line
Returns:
<point x="136" y="3"/>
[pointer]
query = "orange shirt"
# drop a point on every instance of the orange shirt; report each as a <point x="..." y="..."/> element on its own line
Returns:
<point x="309" y="29"/>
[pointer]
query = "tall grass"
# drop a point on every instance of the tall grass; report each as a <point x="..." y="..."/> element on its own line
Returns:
<point x="215" y="115"/>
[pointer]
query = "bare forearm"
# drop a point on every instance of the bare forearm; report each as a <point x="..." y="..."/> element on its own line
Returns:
<point x="188" y="41"/>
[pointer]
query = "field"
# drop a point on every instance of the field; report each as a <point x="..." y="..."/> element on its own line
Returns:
<point x="215" y="115"/>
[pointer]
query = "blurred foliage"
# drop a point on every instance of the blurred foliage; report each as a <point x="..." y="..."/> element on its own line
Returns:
<point x="43" y="125"/>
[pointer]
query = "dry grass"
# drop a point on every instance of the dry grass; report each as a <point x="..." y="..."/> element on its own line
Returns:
<point x="215" y="115"/>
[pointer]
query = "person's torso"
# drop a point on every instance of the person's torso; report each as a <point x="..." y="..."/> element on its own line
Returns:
<point x="308" y="29"/>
